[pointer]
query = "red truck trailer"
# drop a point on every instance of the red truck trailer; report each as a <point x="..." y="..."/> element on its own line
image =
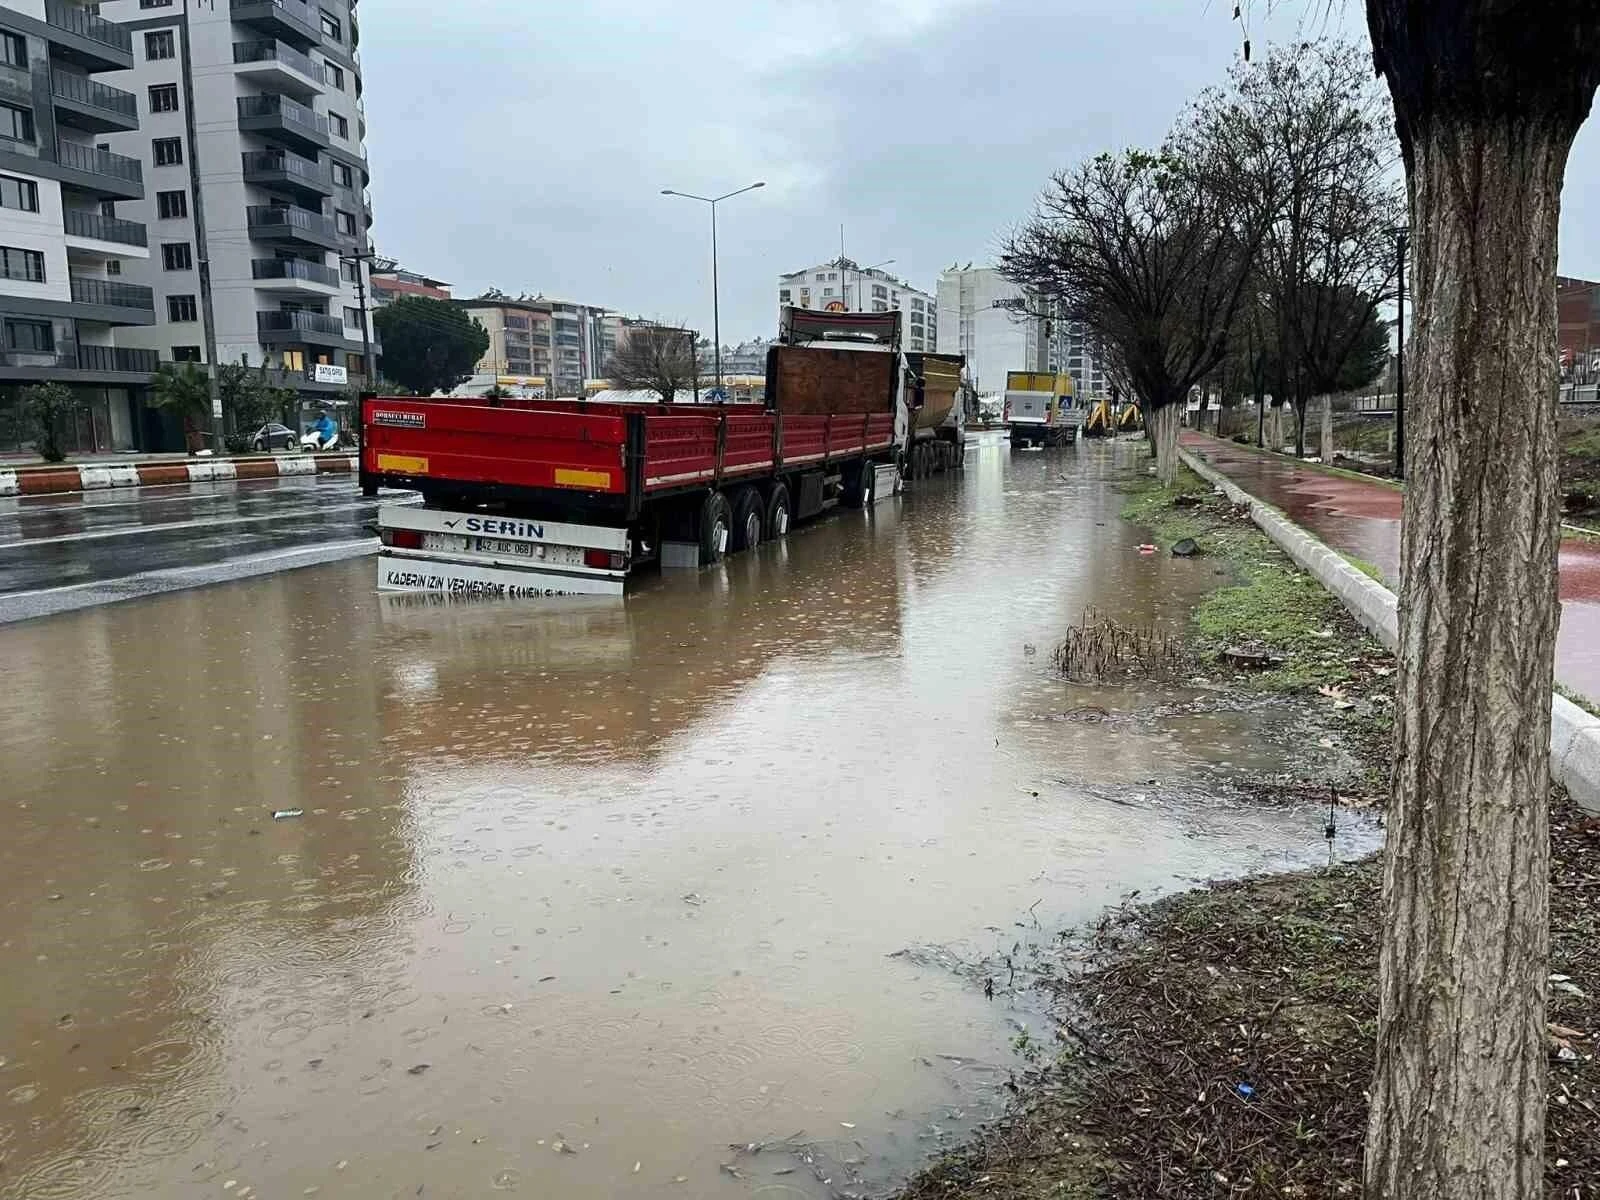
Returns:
<point x="540" y="498"/>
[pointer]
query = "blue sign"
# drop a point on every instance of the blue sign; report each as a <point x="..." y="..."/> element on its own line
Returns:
<point x="716" y="396"/>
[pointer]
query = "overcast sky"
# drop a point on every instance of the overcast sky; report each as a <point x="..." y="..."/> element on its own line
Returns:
<point x="525" y="145"/>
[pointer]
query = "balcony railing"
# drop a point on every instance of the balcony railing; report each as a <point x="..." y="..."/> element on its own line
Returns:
<point x="299" y="322"/>
<point x="286" y="110"/>
<point x="275" y="51"/>
<point x="293" y="268"/>
<point x="265" y="216"/>
<point x="97" y="95"/>
<point x="86" y="358"/>
<point x="313" y="173"/>
<point x="293" y="12"/>
<point x="80" y="21"/>
<point x="112" y="293"/>
<point x="107" y="229"/>
<point x="98" y="162"/>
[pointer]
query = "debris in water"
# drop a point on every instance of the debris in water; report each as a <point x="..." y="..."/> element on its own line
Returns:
<point x="1185" y="548"/>
<point x="847" y="1124"/>
<point x="284" y="814"/>
<point x="1101" y="648"/>
<point x="730" y="1169"/>
<point x="1251" y="658"/>
<point x="418" y="1069"/>
<point x="694" y="899"/>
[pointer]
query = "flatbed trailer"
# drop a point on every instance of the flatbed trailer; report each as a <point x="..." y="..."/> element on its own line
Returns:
<point x="535" y="498"/>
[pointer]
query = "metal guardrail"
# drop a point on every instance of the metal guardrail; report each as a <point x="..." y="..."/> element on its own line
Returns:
<point x="107" y="229"/>
<point x="315" y="174"/>
<point x="266" y="216"/>
<point x="289" y="111"/>
<point x="293" y="268"/>
<point x="77" y="19"/>
<point x="97" y="95"/>
<point x="98" y="162"/>
<point x="271" y="50"/>
<point x="299" y="322"/>
<point x="112" y="292"/>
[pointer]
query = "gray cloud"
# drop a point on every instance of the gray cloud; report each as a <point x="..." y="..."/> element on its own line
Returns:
<point x="525" y="146"/>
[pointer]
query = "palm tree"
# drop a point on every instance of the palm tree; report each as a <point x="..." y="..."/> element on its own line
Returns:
<point x="185" y="389"/>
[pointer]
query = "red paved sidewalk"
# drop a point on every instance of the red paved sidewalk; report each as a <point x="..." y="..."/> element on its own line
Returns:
<point x="1361" y="519"/>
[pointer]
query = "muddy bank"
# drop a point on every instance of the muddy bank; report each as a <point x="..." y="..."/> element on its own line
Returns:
<point x="1219" y="1041"/>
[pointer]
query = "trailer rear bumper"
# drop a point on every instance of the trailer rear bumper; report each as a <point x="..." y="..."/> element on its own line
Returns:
<point x="401" y="572"/>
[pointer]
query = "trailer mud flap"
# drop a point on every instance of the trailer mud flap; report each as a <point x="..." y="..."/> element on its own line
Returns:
<point x="398" y="574"/>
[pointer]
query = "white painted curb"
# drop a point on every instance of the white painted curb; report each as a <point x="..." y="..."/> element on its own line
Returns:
<point x="205" y="472"/>
<point x="295" y="464"/>
<point x="1574" y="734"/>
<point x="8" y="483"/>
<point x="91" y="477"/>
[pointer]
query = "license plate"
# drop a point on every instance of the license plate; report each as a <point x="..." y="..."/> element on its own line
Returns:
<point x="455" y="543"/>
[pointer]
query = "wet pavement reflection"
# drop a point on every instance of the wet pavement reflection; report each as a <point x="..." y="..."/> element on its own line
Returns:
<point x="582" y="895"/>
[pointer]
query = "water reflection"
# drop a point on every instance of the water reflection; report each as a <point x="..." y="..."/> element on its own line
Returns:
<point x="625" y="878"/>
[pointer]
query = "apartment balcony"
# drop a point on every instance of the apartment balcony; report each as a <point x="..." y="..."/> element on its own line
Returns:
<point x="307" y="180"/>
<point x="279" y="65"/>
<point x="91" y="42"/>
<point x="294" y="276"/>
<point x="291" y="226"/>
<point x="81" y="103"/>
<point x="291" y="19"/>
<point x="113" y="302"/>
<point x="83" y="364"/>
<point x="299" y="328"/>
<point x="99" y="171"/>
<point x="89" y="232"/>
<point x="284" y="120"/>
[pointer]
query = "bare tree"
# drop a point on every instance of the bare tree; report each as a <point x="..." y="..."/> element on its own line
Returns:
<point x="1488" y="97"/>
<point x="654" y="358"/>
<point x="1152" y="257"/>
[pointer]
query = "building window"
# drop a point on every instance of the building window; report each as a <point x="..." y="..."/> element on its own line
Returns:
<point x="167" y="152"/>
<point x="350" y="272"/>
<point x="879" y="306"/>
<point x="330" y="25"/>
<point x="14" y="50"/>
<point x="343" y="175"/>
<point x="182" y="308"/>
<point x="515" y="321"/>
<point x="352" y="317"/>
<point x="294" y="360"/>
<point x="827" y="291"/>
<point x="22" y="264"/>
<point x="334" y="72"/>
<point x="159" y="45"/>
<point x="340" y="127"/>
<point x="39" y="336"/>
<point x="880" y="292"/>
<point x="177" y="256"/>
<point x="155" y="3"/>
<point x="19" y="193"/>
<point x="172" y="204"/>
<point x="345" y="222"/>
<point x="821" y="277"/>
<point x="114" y="266"/>
<point x="916" y="306"/>
<point x="783" y="296"/>
<point x="186" y="354"/>
<point x="16" y="123"/>
<point x="164" y="97"/>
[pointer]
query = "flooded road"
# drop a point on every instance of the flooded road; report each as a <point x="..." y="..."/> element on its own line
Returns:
<point x="581" y="896"/>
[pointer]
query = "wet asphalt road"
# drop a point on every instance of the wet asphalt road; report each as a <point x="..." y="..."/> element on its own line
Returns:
<point x="64" y="552"/>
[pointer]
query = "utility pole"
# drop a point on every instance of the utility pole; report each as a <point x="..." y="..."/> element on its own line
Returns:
<point x="358" y="258"/>
<point x="202" y="243"/>
<point x="1402" y="236"/>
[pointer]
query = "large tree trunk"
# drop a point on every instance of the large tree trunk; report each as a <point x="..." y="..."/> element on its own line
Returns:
<point x="1458" y="1094"/>
<point x="1325" y="441"/>
<point x="1300" y="427"/>
<point x="1161" y="427"/>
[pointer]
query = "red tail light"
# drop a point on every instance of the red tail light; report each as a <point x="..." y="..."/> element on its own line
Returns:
<point x="605" y="560"/>
<point x="406" y="539"/>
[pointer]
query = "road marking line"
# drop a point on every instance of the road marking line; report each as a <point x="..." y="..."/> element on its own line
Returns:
<point x="90" y="535"/>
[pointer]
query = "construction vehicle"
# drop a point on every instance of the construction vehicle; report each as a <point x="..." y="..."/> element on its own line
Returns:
<point x="1041" y="408"/>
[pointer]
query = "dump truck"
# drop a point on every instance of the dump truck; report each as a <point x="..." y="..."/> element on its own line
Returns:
<point x="1041" y="408"/>
<point x="567" y="497"/>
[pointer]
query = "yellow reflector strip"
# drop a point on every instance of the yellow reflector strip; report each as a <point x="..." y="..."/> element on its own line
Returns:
<point x="566" y="477"/>
<point x="406" y="464"/>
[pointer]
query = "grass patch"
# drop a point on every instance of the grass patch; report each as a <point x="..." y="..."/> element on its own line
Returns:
<point x="1362" y="565"/>
<point x="1270" y="604"/>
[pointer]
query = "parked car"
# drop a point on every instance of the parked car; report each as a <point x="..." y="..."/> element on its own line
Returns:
<point x="275" y="437"/>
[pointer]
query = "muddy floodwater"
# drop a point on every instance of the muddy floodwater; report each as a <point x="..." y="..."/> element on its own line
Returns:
<point x="579" y="897"/>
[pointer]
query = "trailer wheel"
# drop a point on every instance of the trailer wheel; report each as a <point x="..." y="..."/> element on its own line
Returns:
<point x="715" y="525"/>
<point x="858" y="485"/>
<point x="777" y="524"/>
<point x="747" y="520"/>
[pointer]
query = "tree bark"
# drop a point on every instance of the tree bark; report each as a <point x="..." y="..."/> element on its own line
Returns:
<point x="1161" y="426"/>
<point x="1325" y="442"/>
<point x="1300" y="427"/>
<point x="1458" y="1094"/>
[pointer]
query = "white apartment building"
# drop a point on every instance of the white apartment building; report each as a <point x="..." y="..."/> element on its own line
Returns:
<point x="1080" y="358"/>
<point x="279" y="126"/>
<point x="843" y="286"/>
<point x="981" y="316"/>
<point x="61" y="299"/>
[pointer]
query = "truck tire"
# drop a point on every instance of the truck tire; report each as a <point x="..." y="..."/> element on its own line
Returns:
<point x="715" y="526"/>
<point x="747" y="520"/>
<point x="858" y="485"/>
<point x="778" y="513"/>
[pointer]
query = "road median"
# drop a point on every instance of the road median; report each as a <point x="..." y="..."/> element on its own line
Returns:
<point x="60" y="478"/>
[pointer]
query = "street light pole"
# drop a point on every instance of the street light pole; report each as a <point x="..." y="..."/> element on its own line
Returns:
<point x="716" y="316"/>
<point x="861" y="304"/>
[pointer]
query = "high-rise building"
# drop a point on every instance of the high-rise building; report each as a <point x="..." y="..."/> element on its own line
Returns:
<point x="842" y="285"/>
<point x="1082" y="358"/>
<point x="269" y="125"/>
<point x="986" y="317"/>
<point x="64" y="232"/>
<point x="518" y="357"/>
<point x="388" y="285"/>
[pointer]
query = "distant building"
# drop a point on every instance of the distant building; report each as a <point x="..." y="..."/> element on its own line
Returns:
<point x="747" y="358"/>
<point x="389" y="286"/>
<point x="843" y="286"/>
<point x="519" y="355"/>
<point x="982" y="315"/>
<point x="1081" y="356"/>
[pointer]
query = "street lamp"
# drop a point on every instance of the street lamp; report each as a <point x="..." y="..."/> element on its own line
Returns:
<point x="860" y="271"/>
<point x="716" y="320"/>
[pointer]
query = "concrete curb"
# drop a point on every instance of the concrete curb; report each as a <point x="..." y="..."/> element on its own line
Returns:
<point x="1574" y="733"/>
<point x="45" y="481"/>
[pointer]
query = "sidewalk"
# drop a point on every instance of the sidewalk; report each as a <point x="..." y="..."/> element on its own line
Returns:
<point x="129" y="472"/>
<point x="1362" y="520"/>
